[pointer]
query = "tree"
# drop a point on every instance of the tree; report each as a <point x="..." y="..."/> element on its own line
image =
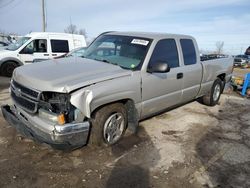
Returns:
<point x="71" y="29"/>
<point x="83" y="32"/>
<point x="219" y="47"/>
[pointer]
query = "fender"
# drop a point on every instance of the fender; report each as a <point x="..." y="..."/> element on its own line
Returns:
<point x="11" y="59"/>
<point x="86" y="101"/>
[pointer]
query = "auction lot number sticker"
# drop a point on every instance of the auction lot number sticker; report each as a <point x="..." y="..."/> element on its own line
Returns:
<point x="140" y="41"/>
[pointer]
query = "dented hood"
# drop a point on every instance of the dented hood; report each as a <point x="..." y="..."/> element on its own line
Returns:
<point x="66" y="74"/>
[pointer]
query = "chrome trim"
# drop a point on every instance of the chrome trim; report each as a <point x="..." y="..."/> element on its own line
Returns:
<point x="72" y="127"/>
<point x="23" y="107"/>
<point x="26" y="95"/>
<point x="19" y="93"/>
<point x="59" y="136"/>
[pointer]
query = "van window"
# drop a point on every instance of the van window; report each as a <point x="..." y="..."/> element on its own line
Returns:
<point x="60" y="46"/>
<point x="188" y="50"/>
<point x="165" y="50"/>
<point x="40" y="46"/>
<point x="35" y="46"/>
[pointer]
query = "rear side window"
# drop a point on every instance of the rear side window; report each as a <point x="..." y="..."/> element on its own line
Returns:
<point x="188" y="50"/>
<point x="59" y="46"/>
<point x="165" y="50"/>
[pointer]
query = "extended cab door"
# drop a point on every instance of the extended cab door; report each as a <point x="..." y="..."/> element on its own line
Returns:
<point x="192" y="72"/>
<point x="162" y="90"/>
<point x="35" y="51"/>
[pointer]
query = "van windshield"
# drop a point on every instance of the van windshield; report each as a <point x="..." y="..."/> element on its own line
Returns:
<point x="127" y="52"/>
<point x="18" y="44"/>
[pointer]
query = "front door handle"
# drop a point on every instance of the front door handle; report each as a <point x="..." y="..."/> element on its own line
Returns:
<point x="54" y="54"/>
<point x="179" y="75"/>
<point x="46" y="54"/>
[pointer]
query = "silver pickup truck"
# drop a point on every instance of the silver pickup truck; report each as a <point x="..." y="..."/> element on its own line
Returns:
<point x="124" y="77"/>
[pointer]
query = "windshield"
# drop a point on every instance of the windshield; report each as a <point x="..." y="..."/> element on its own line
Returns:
<point x="125" y="51"/>
<point x="79" y="52"/>
<point x="18" y="44"/>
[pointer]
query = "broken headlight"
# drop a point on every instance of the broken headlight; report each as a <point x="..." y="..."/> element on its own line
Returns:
<point x="56" y="107"/>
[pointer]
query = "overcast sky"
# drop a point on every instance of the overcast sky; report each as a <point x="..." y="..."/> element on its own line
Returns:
<point x="208" y="21"/>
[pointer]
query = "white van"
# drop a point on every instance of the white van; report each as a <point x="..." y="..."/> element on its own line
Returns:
<point x="37" y="46"/>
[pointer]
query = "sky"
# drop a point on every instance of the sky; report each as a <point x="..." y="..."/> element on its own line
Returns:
<point x="208" y="21"/>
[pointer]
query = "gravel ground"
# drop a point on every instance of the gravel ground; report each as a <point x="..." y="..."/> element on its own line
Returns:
<point x="190" y="146"/>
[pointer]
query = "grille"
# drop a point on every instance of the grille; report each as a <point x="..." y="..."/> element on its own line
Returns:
<point x="24" y="97"/>
<point x="27" y="105"/>
<point x="25" y="90"/>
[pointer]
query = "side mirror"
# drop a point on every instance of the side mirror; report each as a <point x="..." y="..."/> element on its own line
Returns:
<point x="159" y="67"/>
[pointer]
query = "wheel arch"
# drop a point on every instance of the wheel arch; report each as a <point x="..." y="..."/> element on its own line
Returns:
<point x="222" y="76"/>
<point x="132" y="113"/>
<point x="15" y="60"/>
<point x="4" y="62"/>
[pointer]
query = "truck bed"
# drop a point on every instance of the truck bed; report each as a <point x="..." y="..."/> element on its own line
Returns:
<point x="212" y="68"/>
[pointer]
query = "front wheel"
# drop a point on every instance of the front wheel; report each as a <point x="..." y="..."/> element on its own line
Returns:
<point x="212" y="98"/>
<point x="108" y="125"/>
<point x="7" y="68"/>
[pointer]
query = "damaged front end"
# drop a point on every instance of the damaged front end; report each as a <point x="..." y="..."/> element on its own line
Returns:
<point x="47" y="117"/>
<point x="57" y="108"/>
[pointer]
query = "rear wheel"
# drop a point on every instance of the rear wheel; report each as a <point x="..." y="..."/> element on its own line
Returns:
<point x="108" y="125"/>
<point x="7" y="68"/>
<point x="212" y="98"/>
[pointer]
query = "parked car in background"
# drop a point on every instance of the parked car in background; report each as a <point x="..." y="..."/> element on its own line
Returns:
<point x="3" y="45"/>
<point x="37" y="46"/>
<point x="70" y="102"/>
<point x="78" y="52"/>
<point x="241" y="60"/>
<point x="205" y="57"/>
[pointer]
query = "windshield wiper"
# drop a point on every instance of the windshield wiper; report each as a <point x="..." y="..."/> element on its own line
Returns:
<point x="106" y="61"/>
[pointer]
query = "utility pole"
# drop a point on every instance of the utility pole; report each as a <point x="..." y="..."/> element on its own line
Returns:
<point x="43" y="15"/>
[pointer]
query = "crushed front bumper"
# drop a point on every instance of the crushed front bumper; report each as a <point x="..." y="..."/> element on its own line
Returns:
<point x="64" y="137"/>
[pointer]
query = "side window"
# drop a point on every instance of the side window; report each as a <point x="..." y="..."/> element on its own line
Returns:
<point x="188" y="50"/>
<point x="166" y="50"/>
<point x="40" y="46"/>
<point x="60" y="46"/>
<point x="35" y="46"/>
<point x="28" y="49"/>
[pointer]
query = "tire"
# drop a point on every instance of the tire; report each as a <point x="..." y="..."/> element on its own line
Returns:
<point x="7" y="68"/>
<point x="103" y="131"/>
<point x="212" y="98"/>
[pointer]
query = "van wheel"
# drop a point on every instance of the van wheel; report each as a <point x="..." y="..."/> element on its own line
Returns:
<point x="7" y="68"/>
<point x="212" y="98"/>
<point x="108" y="125"/>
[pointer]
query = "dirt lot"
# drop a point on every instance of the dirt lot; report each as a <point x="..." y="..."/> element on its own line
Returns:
<point x="190" y="146"/>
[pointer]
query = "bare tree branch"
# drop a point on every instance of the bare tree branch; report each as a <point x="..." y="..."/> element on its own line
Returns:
<point x="71" y="29"/>
<point x="219" y="47"/>
<point x="83" y="32"/>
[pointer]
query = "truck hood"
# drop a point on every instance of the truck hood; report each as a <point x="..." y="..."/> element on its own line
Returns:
<point x="66" y="74"/>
